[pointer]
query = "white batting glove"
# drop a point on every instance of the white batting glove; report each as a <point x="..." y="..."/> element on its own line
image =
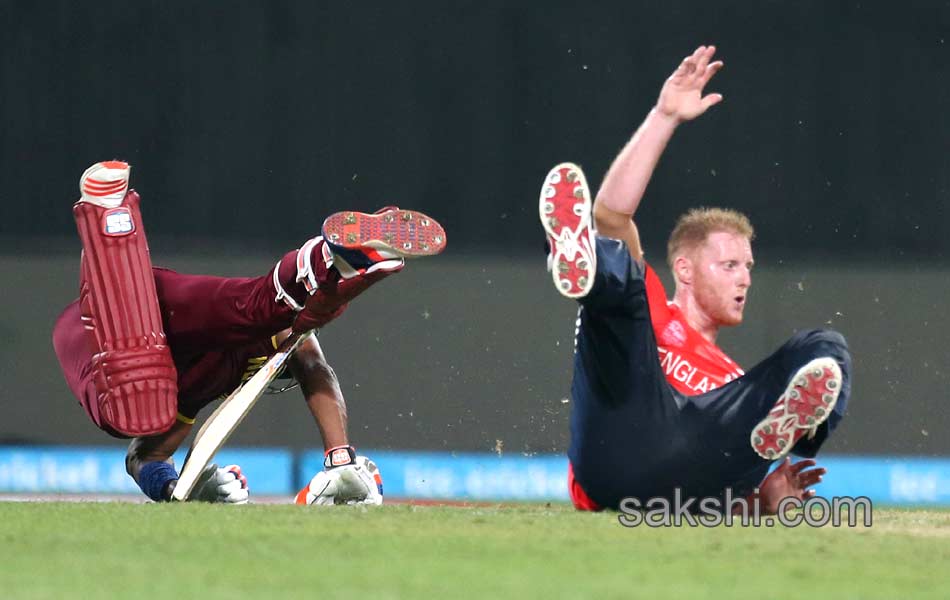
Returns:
<point x="227" y="485"/>
<point x="348" y="479"/>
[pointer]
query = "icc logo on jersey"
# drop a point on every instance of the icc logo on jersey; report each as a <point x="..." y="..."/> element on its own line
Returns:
<point x="674" y="334"/>
<point x="117" y="221"/>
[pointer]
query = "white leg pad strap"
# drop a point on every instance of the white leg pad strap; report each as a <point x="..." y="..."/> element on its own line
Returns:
<point x="282" y="293"/>
<point x="305" y="272"/>
<point x="305" y="267"/>
<point x="387" y="265"/>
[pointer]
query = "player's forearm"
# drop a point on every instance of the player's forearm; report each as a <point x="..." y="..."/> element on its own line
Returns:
<point x="329" y="411"/>
<point x="626" y="180"/>
<point x="321" y="390"/>
<point x="148" y="461"/>
<point x="156" y="448"/>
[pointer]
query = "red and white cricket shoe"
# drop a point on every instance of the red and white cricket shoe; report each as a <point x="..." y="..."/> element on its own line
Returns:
<point x="362" y="239"/>
<point x="105" y="183"/>
<point x="807" y="402"/>
<point x="565" y="210"/>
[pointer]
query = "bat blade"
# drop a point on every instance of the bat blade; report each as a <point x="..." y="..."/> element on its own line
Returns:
<point x="224" y="420"/>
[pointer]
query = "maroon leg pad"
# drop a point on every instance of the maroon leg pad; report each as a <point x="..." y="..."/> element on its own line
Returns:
<point x="134" y="375"/>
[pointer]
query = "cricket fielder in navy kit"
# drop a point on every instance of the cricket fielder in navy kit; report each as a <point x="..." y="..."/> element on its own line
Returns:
<point x="658" y="408"/>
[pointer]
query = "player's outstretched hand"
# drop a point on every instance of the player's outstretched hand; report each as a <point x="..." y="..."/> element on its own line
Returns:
<point x="682" y="95"/>
<point x="789" y="480"/>
<point x="227" y="485"/>
<point x="357" y="483"/>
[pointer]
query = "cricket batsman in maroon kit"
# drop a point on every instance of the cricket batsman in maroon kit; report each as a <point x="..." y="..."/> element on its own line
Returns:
<point x="144" y="349"/>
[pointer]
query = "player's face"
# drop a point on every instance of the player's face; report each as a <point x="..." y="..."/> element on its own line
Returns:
<point x="723" y="275"/>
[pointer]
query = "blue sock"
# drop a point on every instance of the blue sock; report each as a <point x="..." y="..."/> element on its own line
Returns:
<point x="154" y="476"/>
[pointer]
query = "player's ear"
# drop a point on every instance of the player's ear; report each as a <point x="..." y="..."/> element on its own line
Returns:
<point x="683" y="269"/>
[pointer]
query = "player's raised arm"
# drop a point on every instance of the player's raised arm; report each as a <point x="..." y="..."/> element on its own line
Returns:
<point x="681" y="99"/>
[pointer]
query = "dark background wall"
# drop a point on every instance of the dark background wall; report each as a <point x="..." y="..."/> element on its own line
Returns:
<point x="246" y="123"/>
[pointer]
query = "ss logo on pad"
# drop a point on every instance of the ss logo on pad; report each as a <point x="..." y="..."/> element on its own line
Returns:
<point x="117" y="221"/>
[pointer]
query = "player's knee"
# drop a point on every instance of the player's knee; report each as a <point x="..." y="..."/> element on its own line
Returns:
<point x="836" y="337"/>
<point x="833" y="338"/>
<point x="821" y="337"/>
<point x="814" y="343"/>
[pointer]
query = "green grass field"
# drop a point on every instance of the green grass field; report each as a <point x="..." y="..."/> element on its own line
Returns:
<point x="102" y="550"/>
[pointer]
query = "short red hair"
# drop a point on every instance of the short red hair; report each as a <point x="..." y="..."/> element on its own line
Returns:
<point x="694" y="227"/>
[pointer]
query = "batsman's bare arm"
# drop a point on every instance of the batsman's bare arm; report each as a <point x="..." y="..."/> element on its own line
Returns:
<point x="321" y="390"/>
<point x="626" y="181"/>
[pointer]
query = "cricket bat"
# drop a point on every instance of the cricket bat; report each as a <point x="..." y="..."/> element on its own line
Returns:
<point x="224" y="420"/>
